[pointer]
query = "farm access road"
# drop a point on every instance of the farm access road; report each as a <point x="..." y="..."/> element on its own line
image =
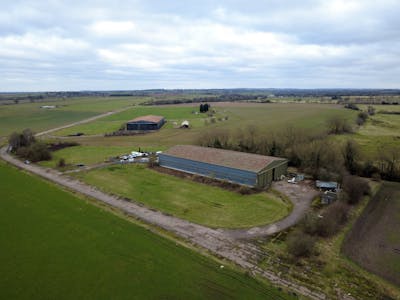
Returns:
<point x="224" y="243"/>
<point x="106" y="114"/>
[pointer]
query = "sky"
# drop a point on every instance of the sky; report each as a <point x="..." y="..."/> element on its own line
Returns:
<point x="50" y="45"/>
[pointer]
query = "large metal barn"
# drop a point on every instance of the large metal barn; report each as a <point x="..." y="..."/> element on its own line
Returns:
<point x="145" y="123"/>
<point x="238" y="167"/>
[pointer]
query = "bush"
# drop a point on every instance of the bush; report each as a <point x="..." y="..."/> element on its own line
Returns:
<point x="244" y="190"/>
<point x="328" y="223"/>
<point x="338" y="125"/>
<point x="61" y="163"/>
<point x="351" y="106"/>
<point x="310" y="223"/>
<point x="355" y="188"/>
<point x="35" y="152"/>
<point x="23" y="139"/>
<point x="300" y="244"/>
<point x="332" y="218"/>
<point x="361" y="118"/>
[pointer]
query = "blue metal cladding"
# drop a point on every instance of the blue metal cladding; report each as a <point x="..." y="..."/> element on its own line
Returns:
<point x="144" y="125"/>
<point x="205" y="169"/>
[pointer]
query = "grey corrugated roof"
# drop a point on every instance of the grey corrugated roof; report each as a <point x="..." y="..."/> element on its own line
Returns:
<point x="326" y="184"/>
<point x="149" y="118"/>
<point x="226" y="158"/>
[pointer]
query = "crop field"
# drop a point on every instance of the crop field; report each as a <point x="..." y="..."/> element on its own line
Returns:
<point x="16" y="117"/>
<point x="196" y="202"/>
<point x="374" y="241"/>
<point x="57" y="246"/>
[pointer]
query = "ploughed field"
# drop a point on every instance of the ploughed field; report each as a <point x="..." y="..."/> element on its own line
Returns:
<point x="57" y="246"/>
<point x="374" y="241"/>
<point x="196" y="202"/>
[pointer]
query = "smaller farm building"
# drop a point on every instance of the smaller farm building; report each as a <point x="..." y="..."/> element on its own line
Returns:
<point x="145" y="123"/>
<point x="238" y="167"/>
<point x="326" y="185"/>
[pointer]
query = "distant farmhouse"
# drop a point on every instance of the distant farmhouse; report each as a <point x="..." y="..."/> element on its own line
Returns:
<point x="145" y="123"/>
<point x="238" y="167"/>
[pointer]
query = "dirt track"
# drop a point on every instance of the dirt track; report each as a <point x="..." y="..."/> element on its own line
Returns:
<point x="224" y="243"/>
<point x="300" y="195"/>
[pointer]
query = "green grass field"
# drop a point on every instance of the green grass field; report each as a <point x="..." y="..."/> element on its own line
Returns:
<point x="114" y="122"/>
<point x="379" y="132"/>
<point x="17" y="117"/>
<point x="56" y="246"/>
<point x="240" y="115"/>
<point x="267" y="117"/>
<point x="199" y="203"/>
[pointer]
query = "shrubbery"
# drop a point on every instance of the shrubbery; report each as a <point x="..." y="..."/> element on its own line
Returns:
<point x="37" y="151"/>
<point x="354" y="188"/>
<point x="61" y="163"/>
<point x="328" y="223"/>
<point x="25" y="146"/>
<point x="300" y="244"/>
<point x="361" y="118"/>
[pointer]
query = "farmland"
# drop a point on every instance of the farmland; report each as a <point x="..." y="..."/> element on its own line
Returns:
<point x="240" y="116"/>
<point x="55" y="245"/>
<point x="199" y="203"/>
<point x="374" y="241"/>
<point x="19" y="116"/>
<point x="213" y="206"/>
<point x="380" y="131"/>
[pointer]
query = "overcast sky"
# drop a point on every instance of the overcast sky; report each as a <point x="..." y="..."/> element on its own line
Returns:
<point x="52" y="45"/>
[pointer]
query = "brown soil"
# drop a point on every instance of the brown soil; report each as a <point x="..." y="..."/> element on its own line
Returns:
<point x="374" y="241"/>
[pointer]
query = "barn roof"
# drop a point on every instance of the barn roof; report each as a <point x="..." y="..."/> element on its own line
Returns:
<point x="226" y="158"/>
<point x="148" y="118"/>
<point x="326" y="184"/>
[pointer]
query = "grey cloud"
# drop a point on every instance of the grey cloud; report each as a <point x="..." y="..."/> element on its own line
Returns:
<point x="47" y="45"/>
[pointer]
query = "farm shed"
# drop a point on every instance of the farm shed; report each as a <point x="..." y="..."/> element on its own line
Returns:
<point x="326" y="185"/>
<point x="146" y="123"/>
<point x="238" y="167"/>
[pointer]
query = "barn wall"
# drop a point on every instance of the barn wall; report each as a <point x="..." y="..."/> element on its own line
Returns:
<point x="280" y="170"/>
<point x="264" y="178"/>
<point x="214" y="171"/>
<point x="144" y="125"/>
<point x="274" y="172"/>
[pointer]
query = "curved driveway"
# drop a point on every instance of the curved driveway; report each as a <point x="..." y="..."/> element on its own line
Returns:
<point x="300" y="195"/>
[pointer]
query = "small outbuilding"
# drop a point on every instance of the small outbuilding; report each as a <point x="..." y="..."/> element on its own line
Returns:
<point x="145" y="123"/>
<point x="238" y="167"/>
<point x="185" y="124"/>
<point x="326" y="185"/>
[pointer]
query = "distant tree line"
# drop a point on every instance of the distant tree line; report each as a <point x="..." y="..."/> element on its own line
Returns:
<point x="220" y="98"/>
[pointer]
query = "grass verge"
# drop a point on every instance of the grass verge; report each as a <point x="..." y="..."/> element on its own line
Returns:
<point x="199" y="203"/>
